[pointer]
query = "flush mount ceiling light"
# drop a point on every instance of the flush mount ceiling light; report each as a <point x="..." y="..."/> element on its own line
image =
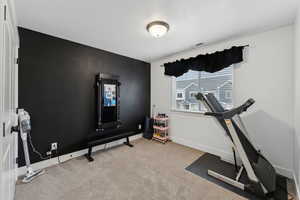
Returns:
<point x="158" y="28"/>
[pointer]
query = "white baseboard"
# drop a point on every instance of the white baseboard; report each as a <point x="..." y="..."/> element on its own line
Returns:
<point x="54" y="161"/>
<point x="297" y="186"/>
<point x="226" y="156"/>
<point x="284" y="171"/>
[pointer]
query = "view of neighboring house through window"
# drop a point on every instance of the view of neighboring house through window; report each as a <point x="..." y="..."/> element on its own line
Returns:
<point x="191" y="83"/>
<point x="179" y="95"/>
<point x="193" y="94"/>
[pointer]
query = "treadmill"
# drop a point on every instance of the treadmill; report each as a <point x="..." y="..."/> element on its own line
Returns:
<point x="260" y="172"/>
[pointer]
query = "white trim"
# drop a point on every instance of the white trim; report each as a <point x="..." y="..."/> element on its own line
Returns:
<point x="187" y="111"/>
<point x="11" y="6"/>
<point x="225" y="156"/>
<point x="284" y="171"/>
<point x="215" y="76"/>
<point x="296" y="185"/>
<point x="66" y="157"/>
<point x="172" y="92"/>
<point x="204" y="148"/>
<point x="189" y="85"/>
<point x="203" y="77"/>
<point x="225" y="83"/>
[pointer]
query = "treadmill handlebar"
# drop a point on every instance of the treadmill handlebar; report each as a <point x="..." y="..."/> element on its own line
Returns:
<point x="231" y="113"/>
<point x="200" y="96"/>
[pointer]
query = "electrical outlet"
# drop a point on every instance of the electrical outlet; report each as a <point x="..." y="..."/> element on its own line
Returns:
<point x="54" y="146"/>
<point x="49" y="153"/>
<point x="140" y="126"/>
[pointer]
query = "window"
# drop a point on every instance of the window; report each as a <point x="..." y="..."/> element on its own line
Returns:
<point x="187" y="86"/>
<point x="180" y="95"/>
<point x="228" y="94"/>
<point x="194" y="107"/>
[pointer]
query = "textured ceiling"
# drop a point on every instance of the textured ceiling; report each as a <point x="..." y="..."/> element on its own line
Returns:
<point x="119" y="26"/>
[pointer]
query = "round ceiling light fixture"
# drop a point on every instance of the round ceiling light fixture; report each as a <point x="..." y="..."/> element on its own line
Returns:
<point x="158" y="28"/>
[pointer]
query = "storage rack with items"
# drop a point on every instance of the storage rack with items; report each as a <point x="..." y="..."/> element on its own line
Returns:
<point x="161" y="128"/>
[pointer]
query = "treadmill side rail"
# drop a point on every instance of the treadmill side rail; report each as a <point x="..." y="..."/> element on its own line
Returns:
<point x="226" y="179"/>
<point x="241" y="152"/>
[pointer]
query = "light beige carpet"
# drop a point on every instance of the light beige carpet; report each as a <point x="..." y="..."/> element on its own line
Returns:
<point x="150" y="171"/>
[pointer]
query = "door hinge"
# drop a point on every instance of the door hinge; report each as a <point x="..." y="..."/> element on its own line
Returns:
<point x="3" y="129"/>
<point x="17" y="61"/>
<point x="17" y="160"/>
<point x="5" y="12"/>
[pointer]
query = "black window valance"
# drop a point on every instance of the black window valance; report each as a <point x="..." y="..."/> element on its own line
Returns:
<point x="209" y="62"/>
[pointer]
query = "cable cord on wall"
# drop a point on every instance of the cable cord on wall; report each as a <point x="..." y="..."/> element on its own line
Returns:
<point x="58" y="159"/>
<point x="34" y="149"/>
<point x="38" y="153"/>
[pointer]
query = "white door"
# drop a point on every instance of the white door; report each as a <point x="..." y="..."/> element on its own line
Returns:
<point x="8" y="99"/>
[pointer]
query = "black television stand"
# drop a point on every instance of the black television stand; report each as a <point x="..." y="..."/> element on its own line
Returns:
<point x="97" y="139"/>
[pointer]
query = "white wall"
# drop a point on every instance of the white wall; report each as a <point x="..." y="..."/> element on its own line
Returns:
<point x="297" y="101"/>
<point x="266" y="75"/>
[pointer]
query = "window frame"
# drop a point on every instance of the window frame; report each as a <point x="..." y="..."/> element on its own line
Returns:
<point x="201" y="112"/>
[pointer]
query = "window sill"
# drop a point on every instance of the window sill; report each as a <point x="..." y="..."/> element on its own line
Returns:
<point x="188" y="112"/>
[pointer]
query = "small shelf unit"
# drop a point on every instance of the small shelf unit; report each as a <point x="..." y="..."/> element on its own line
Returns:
<point x="161" y="129"/>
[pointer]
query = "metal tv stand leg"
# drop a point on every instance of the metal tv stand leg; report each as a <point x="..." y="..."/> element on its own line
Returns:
<point x="128" y="143"/>
<point x="89" y="155"/>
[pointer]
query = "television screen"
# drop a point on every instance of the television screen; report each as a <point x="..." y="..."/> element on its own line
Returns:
<point x="109" y="95"/>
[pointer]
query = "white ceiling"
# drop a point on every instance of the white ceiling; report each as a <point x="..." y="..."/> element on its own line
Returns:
<point x="119" y="26"/>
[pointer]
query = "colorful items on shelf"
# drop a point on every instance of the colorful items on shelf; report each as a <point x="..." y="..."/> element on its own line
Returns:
<point x="161" y="128"/>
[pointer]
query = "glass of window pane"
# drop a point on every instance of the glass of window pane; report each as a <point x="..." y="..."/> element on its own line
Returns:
<point x="193" y="82"/>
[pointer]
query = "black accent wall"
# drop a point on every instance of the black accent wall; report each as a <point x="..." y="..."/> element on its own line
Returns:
<point x="56" y="86"/>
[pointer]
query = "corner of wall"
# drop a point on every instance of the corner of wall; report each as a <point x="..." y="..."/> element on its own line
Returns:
<point x="296" y="160"/>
